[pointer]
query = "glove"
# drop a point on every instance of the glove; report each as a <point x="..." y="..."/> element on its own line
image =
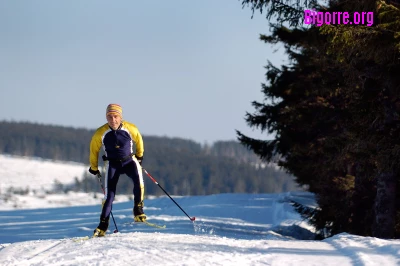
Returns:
<point x="94" y="172"/>
<point x="139" y="159"/>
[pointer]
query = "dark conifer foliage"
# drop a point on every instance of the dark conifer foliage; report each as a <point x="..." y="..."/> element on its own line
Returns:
<point x="283" y="11"/>
<point x="335" y="113"/>
<point x="45" y="141"/>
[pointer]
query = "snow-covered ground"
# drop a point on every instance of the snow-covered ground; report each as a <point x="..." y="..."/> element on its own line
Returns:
<point x="38" y="176"/>
<point x="230" y="229"/>
<point x="37" y="173"/>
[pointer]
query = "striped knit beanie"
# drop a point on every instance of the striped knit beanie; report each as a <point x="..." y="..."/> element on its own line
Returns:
<point x="113" y="108"/>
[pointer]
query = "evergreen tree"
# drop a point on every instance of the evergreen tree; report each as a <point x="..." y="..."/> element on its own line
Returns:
<point x="334" y="112"/>
<point x="371" y="55"/>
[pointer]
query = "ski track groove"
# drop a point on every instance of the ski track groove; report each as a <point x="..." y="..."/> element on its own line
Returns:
<point x="41" y="253"/>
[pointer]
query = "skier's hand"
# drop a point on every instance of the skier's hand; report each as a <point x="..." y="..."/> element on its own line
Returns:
<point x="94" y="172"/>
<point x="139" y="159"/>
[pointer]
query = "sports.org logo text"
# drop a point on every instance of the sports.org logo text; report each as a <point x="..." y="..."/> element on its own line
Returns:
<point x="319" y="18"/>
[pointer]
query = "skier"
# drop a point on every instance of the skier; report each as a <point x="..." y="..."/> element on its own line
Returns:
<point x="117" y="138"/>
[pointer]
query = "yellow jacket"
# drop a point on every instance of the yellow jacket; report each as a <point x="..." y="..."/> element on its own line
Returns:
<point x="116" y="144"/>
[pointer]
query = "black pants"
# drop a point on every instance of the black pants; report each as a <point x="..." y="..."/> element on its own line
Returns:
<point x="133" y="170"/>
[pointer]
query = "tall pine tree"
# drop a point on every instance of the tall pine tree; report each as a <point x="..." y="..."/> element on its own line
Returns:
<point x="334" y="112"/>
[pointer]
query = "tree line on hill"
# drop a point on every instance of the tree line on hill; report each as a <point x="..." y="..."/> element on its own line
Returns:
<point x="335" y="111"/>
<point x="182" y="166"/>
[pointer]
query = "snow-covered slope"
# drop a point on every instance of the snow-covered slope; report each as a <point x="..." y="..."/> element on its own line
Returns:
<point x="230" y="229"/>
<point x="36" y="173"/>
<point x="174" y="249"/>
<point x="38" y="176"/>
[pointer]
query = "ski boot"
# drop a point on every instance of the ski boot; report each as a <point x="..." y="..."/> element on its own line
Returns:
<point x="138" y="214"/>
<point x="101" y="229"/>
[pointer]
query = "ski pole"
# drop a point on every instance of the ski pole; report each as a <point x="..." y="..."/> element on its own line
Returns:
<point x="152" y="178"/>
<point x="104" y="192"/>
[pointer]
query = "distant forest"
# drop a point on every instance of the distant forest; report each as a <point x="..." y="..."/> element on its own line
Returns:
<point x="181" y="166"/>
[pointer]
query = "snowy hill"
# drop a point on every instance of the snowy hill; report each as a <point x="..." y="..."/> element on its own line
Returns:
<point x="172" y="249"/>
<point x="38" y="176"/>
<point x="230" y="229"/>
<point x="37" y="173"/>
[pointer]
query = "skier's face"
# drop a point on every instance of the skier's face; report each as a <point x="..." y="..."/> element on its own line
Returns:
<point x="114" y="120"/>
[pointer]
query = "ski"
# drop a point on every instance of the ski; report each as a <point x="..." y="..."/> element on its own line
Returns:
<point x="155" y="225"/>
<point x="83" y="238"/>
<point x="80" y="239"/>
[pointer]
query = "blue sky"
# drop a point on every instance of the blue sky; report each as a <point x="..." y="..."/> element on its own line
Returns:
<point x="186" y="69"/>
